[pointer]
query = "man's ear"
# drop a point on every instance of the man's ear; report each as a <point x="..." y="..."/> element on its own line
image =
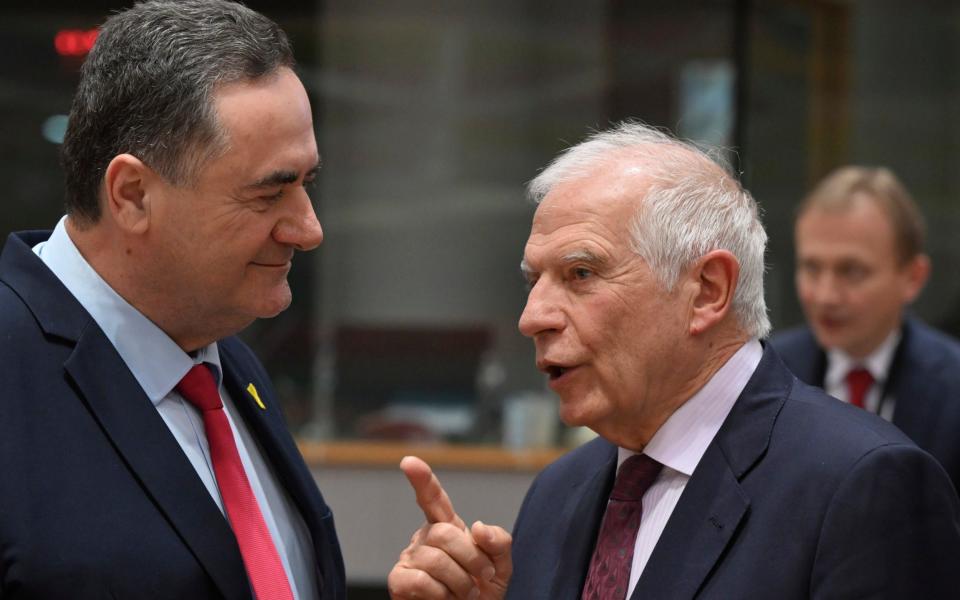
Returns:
<point x="916" y="272"/>
<point x="714" y="277"/>
<point x="128" y="180"/>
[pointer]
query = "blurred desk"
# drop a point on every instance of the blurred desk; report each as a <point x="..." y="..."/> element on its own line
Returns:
<point x="374" y="507"/>
<point x="361" y="454"/>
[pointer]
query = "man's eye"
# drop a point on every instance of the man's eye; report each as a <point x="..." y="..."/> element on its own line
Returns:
<point x="582" y="273"/>
<point x="853" y="273"/>
<point x="809" y="269"/>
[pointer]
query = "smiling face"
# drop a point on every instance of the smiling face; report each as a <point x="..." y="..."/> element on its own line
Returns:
<point x="607" y="335"/>
<point x="218" y="250"/>
<point x="850" y="281"/>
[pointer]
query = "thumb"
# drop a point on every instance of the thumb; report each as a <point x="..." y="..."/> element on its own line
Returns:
<point x="496" y="543"/>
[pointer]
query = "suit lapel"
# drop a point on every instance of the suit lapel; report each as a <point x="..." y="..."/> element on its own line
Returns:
<point x="132" y="424"/>
<point x="582" y="516"/>
<point x="909" y="382"/>
<point x="701" y="526"/>
<point x="713" y="504"/>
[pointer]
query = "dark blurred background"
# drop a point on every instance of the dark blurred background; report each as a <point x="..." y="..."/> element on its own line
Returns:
<point x="431" y="116"/>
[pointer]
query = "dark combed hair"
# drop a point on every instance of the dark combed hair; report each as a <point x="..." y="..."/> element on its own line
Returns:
<point x="147" y="89"/>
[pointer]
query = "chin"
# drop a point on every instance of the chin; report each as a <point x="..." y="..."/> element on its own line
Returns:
<point x="573" y="414"/>
<point x="274" y="303"/>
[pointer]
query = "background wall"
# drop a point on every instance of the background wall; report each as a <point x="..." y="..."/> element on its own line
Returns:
<point x="431" y="116"/>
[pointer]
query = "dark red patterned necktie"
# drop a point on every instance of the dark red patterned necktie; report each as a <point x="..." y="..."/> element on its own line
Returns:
<point x="260" y="557"/>
<point x="609" y="573"/>
<point x="858" y="382"/>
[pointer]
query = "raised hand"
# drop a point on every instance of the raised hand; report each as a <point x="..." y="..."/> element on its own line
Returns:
<point x="445" y="559"/>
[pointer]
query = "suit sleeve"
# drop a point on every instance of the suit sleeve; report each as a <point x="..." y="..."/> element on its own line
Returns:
<point x="892" y="530"/>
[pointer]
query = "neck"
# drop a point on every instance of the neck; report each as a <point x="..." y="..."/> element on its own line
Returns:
<point x="704" y="360"/>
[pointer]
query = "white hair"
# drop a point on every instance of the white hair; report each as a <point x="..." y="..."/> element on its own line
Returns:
<point x="691" y="206"/>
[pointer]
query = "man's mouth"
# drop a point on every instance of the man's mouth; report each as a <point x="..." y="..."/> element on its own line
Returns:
<point x="831" y="322"/>
<point x="555" y="372"/>
<point x="274" y="265"/>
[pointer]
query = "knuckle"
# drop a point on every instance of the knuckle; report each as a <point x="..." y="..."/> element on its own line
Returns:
<point x="443" y="533"/>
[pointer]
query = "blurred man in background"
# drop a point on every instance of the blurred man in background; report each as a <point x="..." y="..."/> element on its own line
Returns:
<point x="145" y="455"/>
<point x="860" y="263"/>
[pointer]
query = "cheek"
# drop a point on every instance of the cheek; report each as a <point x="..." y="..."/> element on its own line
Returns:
<point x="804" y="289"/>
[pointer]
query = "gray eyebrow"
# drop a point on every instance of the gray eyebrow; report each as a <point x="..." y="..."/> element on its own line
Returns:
<point x="582" y="256"/>
<point x="524" y="265"/>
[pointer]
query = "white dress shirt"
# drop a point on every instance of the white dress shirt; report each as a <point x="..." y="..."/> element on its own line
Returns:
<point x="877" y="362"/>
<point x="681" y="442"/>
<point x="158" y="364"/>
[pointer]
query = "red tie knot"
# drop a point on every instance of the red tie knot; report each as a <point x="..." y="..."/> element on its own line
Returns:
<point x="859" y="381"/>
<point x="634" y="477"/>
<point x="859" y="376"/>
<point x="200" y="389"/>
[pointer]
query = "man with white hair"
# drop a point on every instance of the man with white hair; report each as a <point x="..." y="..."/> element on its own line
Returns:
<point x="717" y="474"/>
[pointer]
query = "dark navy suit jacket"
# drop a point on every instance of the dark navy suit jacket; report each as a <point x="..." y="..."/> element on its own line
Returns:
<point x="798" y="496"/>
<point x="924" y="380"/>
<point x="97" y="499"/>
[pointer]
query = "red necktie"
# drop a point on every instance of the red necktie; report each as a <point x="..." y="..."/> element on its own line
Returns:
<point x="609" y="575"/>
<point x="859" y="381"/>
<point x="260" y="557"/>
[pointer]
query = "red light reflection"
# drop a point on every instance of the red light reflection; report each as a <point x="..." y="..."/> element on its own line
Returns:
<point x="74" y="42"/>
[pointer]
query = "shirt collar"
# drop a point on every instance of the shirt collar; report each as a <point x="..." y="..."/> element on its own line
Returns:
<point x="155" y="360"/>
<point x="839" y="363"/>
<point x="683" y="439"/>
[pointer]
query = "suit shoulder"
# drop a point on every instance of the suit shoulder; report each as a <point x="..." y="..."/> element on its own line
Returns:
<point x="19" y="330"/>
<point x="793" y="340"/>
<point x="830" y="430"/>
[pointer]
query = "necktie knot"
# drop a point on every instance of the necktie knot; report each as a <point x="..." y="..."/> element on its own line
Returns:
<point x="859" y="381"/>
<point x="199" y="388"/>
<point x="634" y="477"/>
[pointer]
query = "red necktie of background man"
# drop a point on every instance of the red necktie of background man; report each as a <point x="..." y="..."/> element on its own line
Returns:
<point x="609" y="575"/>
<point x="859" y="381"/>
<point x="260" y="557"/>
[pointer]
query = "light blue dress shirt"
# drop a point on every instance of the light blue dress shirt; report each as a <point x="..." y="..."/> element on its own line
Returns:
<point x="159" y="364"/>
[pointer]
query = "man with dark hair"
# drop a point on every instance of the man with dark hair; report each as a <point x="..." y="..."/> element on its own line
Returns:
<point x="716" y="474"/>
<point x="860" y="263"/>
<point x="145" y="454"/>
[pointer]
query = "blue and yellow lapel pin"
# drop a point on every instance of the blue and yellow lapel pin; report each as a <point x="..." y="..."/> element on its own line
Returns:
<point x="252" y="390"/>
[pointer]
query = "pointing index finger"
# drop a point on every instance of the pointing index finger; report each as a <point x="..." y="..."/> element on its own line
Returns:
<point x="431" y="497"/>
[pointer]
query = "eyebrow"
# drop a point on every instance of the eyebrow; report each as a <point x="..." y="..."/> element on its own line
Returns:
<point x="525" y="267"/>
<point x="584" y="256"/>
<point x="282" y="177"/>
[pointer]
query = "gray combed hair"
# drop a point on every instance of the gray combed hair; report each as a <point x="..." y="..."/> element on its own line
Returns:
<point x="691" y="206"/>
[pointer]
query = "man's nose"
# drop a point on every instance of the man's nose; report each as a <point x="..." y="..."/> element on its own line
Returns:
<point x="300" y="228"/>
<point x="827" y="289"/>
<point x="542" y="312"/>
